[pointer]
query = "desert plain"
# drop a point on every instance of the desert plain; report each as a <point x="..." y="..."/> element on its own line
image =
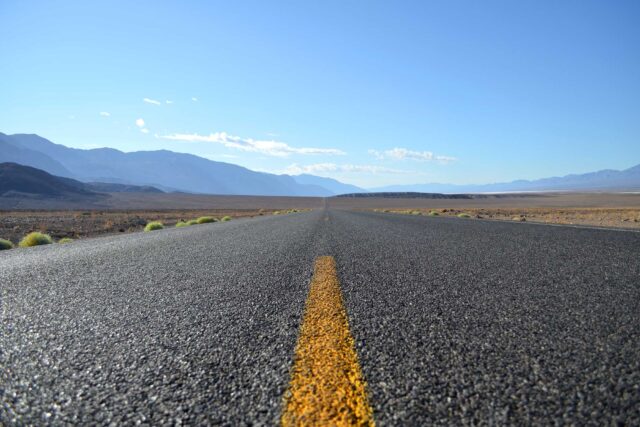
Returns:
<point x="129" y="212"/>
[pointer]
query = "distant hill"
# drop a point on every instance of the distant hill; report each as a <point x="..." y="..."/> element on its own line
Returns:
<point x="24" y="181"/>
<point x="160" y="169"/>
<point x="19" y="181"/>
<point x="604" y="180"/>
<point x="109" y="187"/>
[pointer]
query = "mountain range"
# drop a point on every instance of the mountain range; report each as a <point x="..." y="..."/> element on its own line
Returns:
<point x="604" y="180"/>
<point x="170" y="171"/>
<point x="166" y="170"/>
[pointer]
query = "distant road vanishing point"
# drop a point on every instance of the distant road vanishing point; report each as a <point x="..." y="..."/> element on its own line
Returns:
<point x="331" y="316"/>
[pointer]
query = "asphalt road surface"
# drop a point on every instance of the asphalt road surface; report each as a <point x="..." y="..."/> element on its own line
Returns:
<point x="455" y="321"/>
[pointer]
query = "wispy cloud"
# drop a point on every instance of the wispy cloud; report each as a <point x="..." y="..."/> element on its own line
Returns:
<point x="144" y="130"/>
<point x="168" y="102"/>
<point x="152" y="101"/>
<point x="105" y="114"/>
<point x="320" y="168"/>
<point x="194" y="99"/>
<point x="405" y="154"/>
<point x="271" y="148"/>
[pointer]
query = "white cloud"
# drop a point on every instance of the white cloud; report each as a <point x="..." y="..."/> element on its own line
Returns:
<point x="271" y="148"/>
<point x="405" y="154"/>
<point x="105" y="114"/>
<point x="194" y="99"/>
<point x="140" y="123"/>
<point x="144" y="130"/>
<point x="323" y="168"/>
<point x="296" y="169"/>
<point x="152" y="101"/>
<point x="168" y="102"/>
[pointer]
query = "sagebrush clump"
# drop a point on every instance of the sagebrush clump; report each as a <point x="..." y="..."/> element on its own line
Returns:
<point x="154" y="225"/>
<point x="206" y="220"/>
<point x="35" y="239"/>
<point x="5" y="244"/>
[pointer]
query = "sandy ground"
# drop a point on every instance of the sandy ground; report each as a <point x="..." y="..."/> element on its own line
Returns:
<point x="597" y="217"/>
<point x="503" y="201"/>
<point x="617" y="210"/>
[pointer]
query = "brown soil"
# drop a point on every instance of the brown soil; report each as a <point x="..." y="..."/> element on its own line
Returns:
<point x="599" y="217"/>
<point x="79" y="224"/>
<point x="503" y="201"/>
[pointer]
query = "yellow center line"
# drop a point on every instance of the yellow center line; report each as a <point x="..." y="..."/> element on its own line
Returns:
<point x="327" y="386"/>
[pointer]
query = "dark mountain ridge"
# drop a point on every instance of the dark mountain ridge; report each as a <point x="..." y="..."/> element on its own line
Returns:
<point x="24" y="181"/>
<point x="19" y="181"/>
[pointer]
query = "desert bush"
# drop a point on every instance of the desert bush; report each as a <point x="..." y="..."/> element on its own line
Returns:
<point x="192" y="222"/>
<point x="5" y="244"/>
<point x="415" y="213"/>
<point x="276" y="212"/>
<point x="206" y="219"/>
<point x="225" y="218"/>
<point x="65" y="240"/>
<point x="154" y="225"/>
<point x="464" y="215"/>
<point x="35" y="239"/>
<point x="180" y="224"/>
<point x="433" y="213"/>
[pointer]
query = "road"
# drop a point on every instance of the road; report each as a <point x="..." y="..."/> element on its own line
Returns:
<point x="454" y="321"/>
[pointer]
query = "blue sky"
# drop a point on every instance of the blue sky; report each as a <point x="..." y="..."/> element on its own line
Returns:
<point x="371" y="93"/>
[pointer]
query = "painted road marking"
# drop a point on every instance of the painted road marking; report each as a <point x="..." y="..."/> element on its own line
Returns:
<point x="327" y="386"/>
